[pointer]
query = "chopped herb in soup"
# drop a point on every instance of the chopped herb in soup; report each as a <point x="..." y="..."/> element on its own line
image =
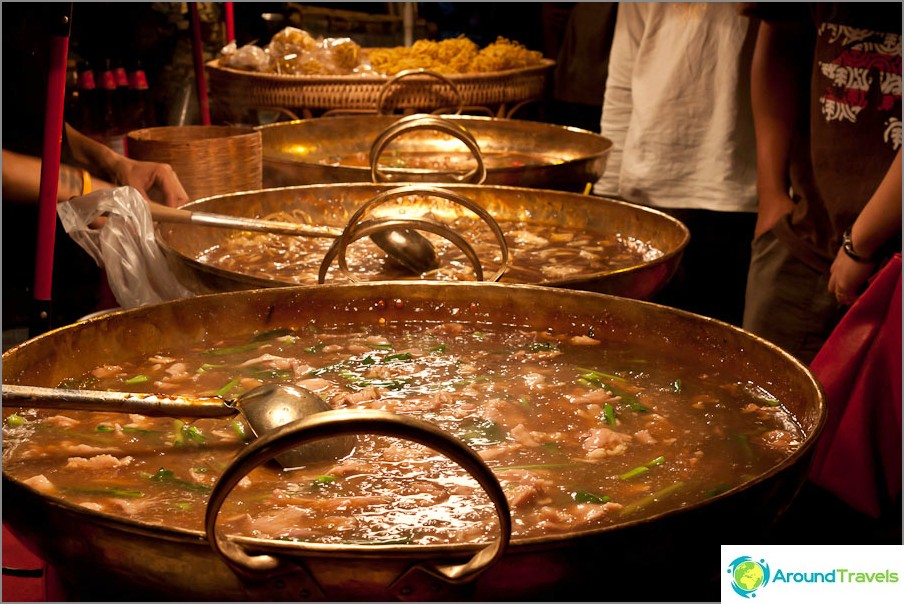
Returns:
<point x="581" y="433"/>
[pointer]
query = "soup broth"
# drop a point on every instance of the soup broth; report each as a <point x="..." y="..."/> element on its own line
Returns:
<point x="582" y="434"/>
<point x="539" y="253"/>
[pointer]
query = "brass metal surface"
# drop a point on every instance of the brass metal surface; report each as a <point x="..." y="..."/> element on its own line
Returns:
<point x="333" y="205"/>
<point x="103" y="557"/>
<point x="296" y="152"/>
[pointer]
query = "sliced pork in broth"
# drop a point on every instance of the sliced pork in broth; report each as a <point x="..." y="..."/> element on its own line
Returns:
<point x="539" y="253"/>
<point x="581" y="433"/>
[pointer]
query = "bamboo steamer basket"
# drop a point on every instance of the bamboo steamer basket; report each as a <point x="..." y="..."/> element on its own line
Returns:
<point x="209" y="160"/>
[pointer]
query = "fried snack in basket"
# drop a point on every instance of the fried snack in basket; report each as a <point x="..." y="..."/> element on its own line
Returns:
<point x="504" y="54"/>
<point x="448" y="56"/>
<point x="454" y="56"/>
<point x="292" y="39"/>
<point x="345" y="53"/>
<point x="294" y="51"/>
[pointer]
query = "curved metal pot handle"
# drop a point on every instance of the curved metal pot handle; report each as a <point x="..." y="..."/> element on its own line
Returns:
<point x="328" y="424"/>
<point x="415" y="72"/>
<point x="379" y="225"/>
<point x="277" y="109"/>
<point x="476" y="175"/>
<point x="350" y="233"/>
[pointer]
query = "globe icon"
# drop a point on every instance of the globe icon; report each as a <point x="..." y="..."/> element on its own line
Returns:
<point x="748" y="575"/>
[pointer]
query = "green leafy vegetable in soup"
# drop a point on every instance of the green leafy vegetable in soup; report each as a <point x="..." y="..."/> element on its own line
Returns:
<point x="581" y="433"/>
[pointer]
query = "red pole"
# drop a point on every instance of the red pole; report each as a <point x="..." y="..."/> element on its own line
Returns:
<point x="50" y="173"/>
<point x="230" y="23"/>
<point x="198" y="53"/>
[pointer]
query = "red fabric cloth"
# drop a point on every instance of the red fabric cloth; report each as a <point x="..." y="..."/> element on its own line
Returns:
<point x="858" y="455"/>
<point x="26" y="577"/>
<point x="29" y="584"/>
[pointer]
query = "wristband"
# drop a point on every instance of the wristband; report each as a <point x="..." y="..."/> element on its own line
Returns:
<point x="86" y="182"/>
<point x="848" y="246"/>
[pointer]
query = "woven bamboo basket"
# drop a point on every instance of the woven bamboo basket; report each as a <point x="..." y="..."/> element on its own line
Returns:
<point x="209" y="160"/>
<point x="234" y="91"/>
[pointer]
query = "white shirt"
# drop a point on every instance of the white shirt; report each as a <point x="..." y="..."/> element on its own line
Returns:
<point x="677" y="107"/>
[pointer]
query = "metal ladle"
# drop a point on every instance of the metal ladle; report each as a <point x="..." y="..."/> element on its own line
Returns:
<point x="408" y="247"/>
<point x="264" y="408"/>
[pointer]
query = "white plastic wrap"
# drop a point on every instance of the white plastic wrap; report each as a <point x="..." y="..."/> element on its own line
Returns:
<point x="294" y="51"/>
<point x="125" y="246"/>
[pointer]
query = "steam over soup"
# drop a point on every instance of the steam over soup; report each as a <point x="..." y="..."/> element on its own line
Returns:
<point x="581" y="433"/>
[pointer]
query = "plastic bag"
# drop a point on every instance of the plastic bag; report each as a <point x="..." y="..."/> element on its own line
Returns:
<point x="294" y="51"/>
<point x="125" y="246"/>
<point x="248" y="57"/>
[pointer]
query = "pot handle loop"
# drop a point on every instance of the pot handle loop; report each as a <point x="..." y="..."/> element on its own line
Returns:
<point x="476" y="175"/>
<point x="353" y="231"/>
<point x="379" y="225"/>
<point x="419" y="72"/>
<point x="329" y="424"/>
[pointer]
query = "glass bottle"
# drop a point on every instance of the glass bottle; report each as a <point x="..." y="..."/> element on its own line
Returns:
<point x="86" y="115"/>
<point x="110" y="110"/>
<point x="141" y="104"/>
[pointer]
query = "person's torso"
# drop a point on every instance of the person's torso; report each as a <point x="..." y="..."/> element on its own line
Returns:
<point x="690" y="143"/>
<point x="854" y="119"/>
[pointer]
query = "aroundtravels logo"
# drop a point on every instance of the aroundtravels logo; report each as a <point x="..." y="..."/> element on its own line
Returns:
<point x="872" y="573"/>
<point x="748" y="575"/>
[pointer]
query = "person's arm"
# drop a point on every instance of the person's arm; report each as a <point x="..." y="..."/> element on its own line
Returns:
<point x="777" y="80"/>
<point x="874" y="227"/>
<point x="22" y="179"/>
<point x="156" y="181"/>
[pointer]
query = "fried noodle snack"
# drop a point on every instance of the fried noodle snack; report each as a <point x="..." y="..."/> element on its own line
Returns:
<point x="294" y="51"/>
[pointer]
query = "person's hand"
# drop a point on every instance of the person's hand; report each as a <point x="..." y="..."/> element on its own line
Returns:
<point x="848" y="278"/>
<point x="156" y="181"/>
<point x="772" y="208"/>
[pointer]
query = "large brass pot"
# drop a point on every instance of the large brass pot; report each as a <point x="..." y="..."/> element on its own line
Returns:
<point x="308" y="151"/>
<point x="103" y="557"/>
<point x="334" y="204"/>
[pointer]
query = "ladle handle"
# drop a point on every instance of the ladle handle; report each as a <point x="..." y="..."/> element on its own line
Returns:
<point x="162" y="213"/>
<point x="375" y="226"/>
<point x="476" y="175"/>
<point x="125" y="402"/>
<point x="355" y="229"/>
<point x="330" y="424"/>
